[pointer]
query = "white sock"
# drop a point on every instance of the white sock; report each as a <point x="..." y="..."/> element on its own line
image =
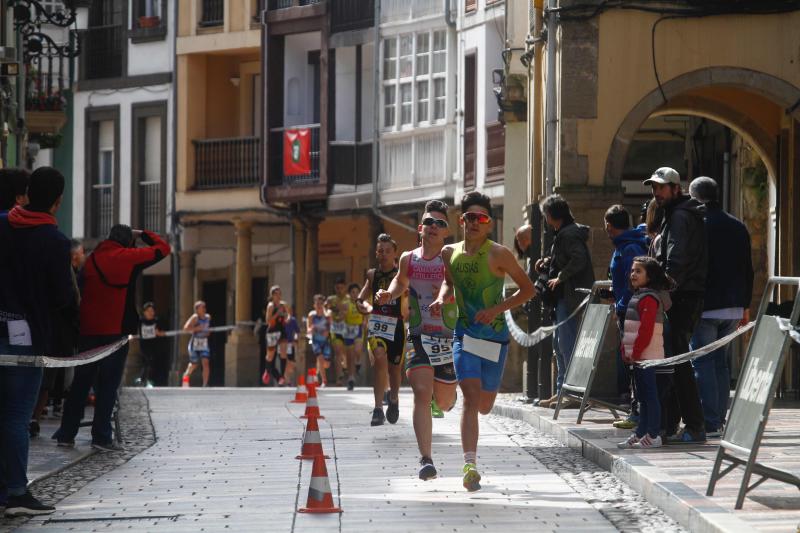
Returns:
<point x="471" y="457"/>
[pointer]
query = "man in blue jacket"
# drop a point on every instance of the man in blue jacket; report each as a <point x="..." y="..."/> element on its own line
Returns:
<point x="729" y="289"/>
<point x="628" y="243"/>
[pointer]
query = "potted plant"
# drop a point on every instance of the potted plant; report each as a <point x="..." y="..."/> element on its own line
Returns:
<point x="151" y="21"/>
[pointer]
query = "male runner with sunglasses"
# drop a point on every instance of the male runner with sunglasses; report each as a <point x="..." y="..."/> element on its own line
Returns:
<point x="475" y="269"/>
<point x="430" y="370"/>
<point x="386" y="334"/>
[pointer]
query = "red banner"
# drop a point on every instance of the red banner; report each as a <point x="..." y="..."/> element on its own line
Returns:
<point x="297" y="152"/>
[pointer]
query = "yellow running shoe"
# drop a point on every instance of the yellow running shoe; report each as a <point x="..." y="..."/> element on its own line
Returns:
<point x="471" y="477"/>
<point x="436" y="411"/>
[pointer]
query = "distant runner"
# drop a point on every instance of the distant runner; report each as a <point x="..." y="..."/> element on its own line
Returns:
<point x="318" y="329"/>
<point x="199" y="349"/>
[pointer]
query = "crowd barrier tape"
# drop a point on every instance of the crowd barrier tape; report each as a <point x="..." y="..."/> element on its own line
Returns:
<point x="531" y="339"/>
<point x="95" y="354"/>
<point x="694" y="354"/>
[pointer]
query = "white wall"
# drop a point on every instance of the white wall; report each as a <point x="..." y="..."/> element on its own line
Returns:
<point x="299" y="79"/>
<point x="154" y="56"/>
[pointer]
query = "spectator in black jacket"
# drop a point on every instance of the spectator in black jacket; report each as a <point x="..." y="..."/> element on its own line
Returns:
<point x="729" y="289"/>
<point x="39" y="294"/>
<point x="682" y="252"/>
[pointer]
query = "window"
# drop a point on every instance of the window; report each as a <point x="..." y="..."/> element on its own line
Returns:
<point x="52" y="6"/>
<point x="148" y="166"/>
<point x="414" y="79"/>
<point x="102" y="166"/>
<point x="148" y="21"/>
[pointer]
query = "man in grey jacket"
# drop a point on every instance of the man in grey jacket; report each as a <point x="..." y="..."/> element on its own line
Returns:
<point x="568" y="267"/>
<point x="682" y="252"/>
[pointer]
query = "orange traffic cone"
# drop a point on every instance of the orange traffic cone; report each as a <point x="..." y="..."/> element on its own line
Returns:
<point x="312" y="405"/>
<point x="312" y="444"/>
<point x="311" y="381"/>
<point x="301" y="395"/>
<point x="320" y="499"/>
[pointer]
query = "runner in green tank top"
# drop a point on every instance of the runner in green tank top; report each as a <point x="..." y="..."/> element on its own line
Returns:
<point x="475" y="269"/>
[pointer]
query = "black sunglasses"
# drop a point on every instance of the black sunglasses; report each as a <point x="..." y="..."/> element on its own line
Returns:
<point x="430" y="221"/>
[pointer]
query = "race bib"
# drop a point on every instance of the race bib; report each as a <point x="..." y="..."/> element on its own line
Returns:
<point x="338" y="328"/>
<point x="382" y="326"/>
<point x="482" y="348"/>
<point x="438" y="349"/>
<point x="19" y="333"/>
<point x="149" y="332"/>
<point x="352" y="332"/>
<point x="200" y="344"/>
<point x="272" y="338"/>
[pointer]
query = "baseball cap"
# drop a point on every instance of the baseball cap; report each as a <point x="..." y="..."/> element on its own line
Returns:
<point x="664" y="175"/>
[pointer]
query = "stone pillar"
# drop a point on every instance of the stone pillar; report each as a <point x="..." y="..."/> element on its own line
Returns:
<point x="186" y="260"/>
<point x="241" y="350"/>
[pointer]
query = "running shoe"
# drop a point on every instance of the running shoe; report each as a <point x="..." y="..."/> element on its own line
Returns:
<point x="377" y="417"/>
<point x="265" y="377"/>
<point x="647" y="442"/>
<point x="436" y="412"/>
<point x="627" y="444"/>
<point x="351" y="384"/>
<point x="471" y="477"/>
<point x="628" y="423"/>
<point x="426" y="469"/>
<point x="393" y="411"/>
<point x="26" y="505"/>
<point x="65" y="443"/>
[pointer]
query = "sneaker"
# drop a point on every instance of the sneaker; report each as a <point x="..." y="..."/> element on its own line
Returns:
<point x="647" y="442"/>
<point x="265" y="377"/>
<point x="393" y="411"/>
<point x="26" y="505"/>
<point x="548" y="401"/>
<point x="628" y="423"/>
<point x="65" y="443"/>
<point x="377" y="417"/>
<point x="627" y="444"/>
<point x="436" y="412"/>
<point x="686" y="436"/>
<point x="323" y="385"/>
<point x="351" y="384"/>
<point x="715" y="433"/>
<point x="282" y="382"/>
<point x="107" y="446"/>
<point x="471" y="477"/>
<point x="34" y="429"/>
<point x="426" y="469"/>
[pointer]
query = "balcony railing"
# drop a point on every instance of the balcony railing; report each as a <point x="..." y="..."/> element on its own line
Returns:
<point x="407" y="10"/>
<point x="283" y="4"/>
<point x="103" y="212"/>
<point x="276" y="175"/>
<point x="212" y="13"/>
<point x="351" y="163"/>
<point x="226" y="163"/>
<point x="347" y="15"/>
<point x="102" y="52"/>
<point x="151" y="211"/>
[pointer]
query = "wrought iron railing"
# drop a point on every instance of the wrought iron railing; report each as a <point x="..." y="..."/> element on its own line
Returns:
<point x="102" y="52"/>
<point x="212" y="13"/>
<point x="103" y="212"/>
<point x="152" y="214"/>
<point x="226" y="163"/>
<point x="351" y="163"/>
<point x="283" y="4"/>
<point x="347" y="15"/>
<point x="277" y="178"/>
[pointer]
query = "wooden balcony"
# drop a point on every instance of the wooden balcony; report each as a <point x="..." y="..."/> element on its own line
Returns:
<point x="283" y="10"/>
<point x="348" y="15"/>
<point x="283" y="188"/>
<point x="226" y="163"/>
<point x="351" y="163"/>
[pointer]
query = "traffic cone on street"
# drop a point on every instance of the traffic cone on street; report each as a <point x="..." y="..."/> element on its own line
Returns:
<point x="312" y="405"/>
<point x="320" y="499"/>
<point x="312" y="444"/>
<point x="301" y="395"/>
<point x="311" y="381"/>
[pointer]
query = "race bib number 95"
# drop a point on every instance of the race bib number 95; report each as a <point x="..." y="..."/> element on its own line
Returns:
<point x="438" y="349"/>
<point x="382" y="326"/>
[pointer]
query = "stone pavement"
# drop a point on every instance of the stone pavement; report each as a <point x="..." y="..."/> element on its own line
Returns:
<point x="224" y="459"/>
<point x="676" y="477"/>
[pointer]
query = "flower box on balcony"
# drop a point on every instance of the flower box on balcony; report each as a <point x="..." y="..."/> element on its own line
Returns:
<point x="45" y="121"/>
<point x="149" y="22"/>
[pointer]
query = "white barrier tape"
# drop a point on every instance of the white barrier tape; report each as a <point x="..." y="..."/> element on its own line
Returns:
<point x="531" y="339"/>
<point x="792" y="331"/>
<point x="46" y="361"/>
<point x="694" y="354"/>
<point x="177" y="332"/>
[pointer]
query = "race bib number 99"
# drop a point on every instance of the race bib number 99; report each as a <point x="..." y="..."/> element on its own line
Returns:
<point x="438" y="349"/>
<point x="382" y="326"/>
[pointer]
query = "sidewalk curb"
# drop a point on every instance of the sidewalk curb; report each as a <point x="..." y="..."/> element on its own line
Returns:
<point x="691" y="509"/>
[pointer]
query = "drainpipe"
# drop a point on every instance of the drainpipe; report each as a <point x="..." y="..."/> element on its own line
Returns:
<point x="551" y="111"/>
<point x="376" y="123"/>
<point x="448" y="14"/>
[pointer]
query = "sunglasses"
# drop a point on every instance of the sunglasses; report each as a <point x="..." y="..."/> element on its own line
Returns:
<point x="438" y="222"/>
<point x="480" y="218"/>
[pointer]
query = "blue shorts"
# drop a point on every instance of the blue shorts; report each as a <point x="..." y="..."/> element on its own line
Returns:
<point x="349" y="341"/>
<point x="469" y="365"/>
<point x="322" y="348"/>
<point x="194" y="357"/>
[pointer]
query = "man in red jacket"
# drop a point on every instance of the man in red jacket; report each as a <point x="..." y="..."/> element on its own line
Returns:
<point x="108" y="312"/>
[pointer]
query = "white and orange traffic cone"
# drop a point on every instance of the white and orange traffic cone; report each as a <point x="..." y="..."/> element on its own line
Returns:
<point x="312" y="444"/>
<point x="320" y="499"/>
<point x="311" y="380"/>
<point x="312" y="405"/>
<point x="301" y="395"/>
<point x="185" y="381"/>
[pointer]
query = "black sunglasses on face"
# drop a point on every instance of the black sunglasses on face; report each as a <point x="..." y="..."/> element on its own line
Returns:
<point x="430" y="221"/>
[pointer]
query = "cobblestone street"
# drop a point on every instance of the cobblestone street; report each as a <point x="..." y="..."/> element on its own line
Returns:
<point x="224" y="459"/>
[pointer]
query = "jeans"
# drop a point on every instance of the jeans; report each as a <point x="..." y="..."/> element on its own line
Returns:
<point x="19" y="390"/>
<point x="711" y="371"/>
<point x="564" y="341"/>
<point x="649" y="405"/>
<point x="683" y="317"/>
<point x="105" y="375"/>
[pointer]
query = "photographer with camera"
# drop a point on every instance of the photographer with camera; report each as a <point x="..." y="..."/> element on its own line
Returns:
<point x="108" y="312"/>
<point x="567" y="268"/>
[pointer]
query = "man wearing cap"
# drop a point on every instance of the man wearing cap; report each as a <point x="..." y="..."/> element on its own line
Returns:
<point x="682" y="252"/>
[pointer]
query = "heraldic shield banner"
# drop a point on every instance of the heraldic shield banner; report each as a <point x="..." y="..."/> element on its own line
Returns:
<point x="297" y="152"/>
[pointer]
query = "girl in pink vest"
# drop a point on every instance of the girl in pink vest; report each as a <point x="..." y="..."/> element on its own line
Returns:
<point x="643" y="338"/>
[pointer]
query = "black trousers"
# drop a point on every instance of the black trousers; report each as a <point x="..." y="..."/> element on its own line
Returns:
<point x="683" y="317"/>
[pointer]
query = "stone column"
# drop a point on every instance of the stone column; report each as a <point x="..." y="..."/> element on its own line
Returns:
<point x="186" y="260"/>
<point x="241" y="350"/>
